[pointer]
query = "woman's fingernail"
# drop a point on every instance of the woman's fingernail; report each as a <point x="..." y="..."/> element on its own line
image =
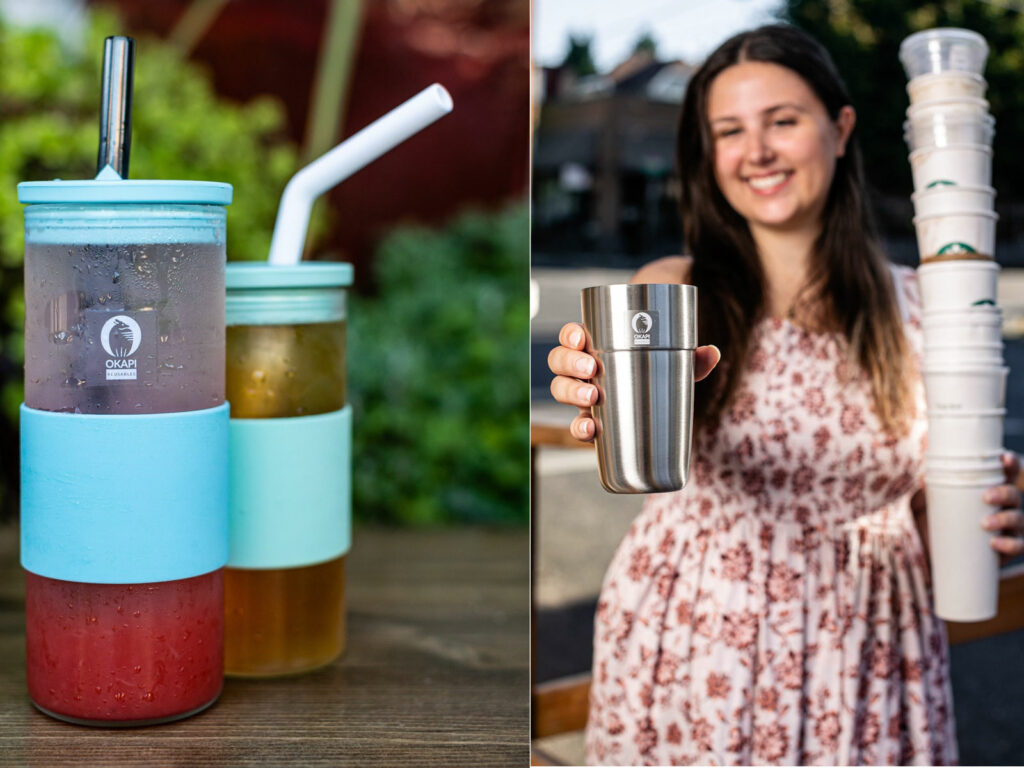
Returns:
<point x="575" y="338"/>
<point x="989" y="523"/>
<point x="586" y="428"/>
<point x="585" y="365"/>
<point x="990" y="496"/>
<point x="586" y="394"/>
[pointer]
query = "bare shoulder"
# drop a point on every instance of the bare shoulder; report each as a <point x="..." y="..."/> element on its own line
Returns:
<point x="670" y="269"/>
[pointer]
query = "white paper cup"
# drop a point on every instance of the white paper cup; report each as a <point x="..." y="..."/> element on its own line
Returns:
<point x="957" y="284"/>
<point x="963" y="164"/>
<point x="965" y="433"/>
<point x="946" y="85"/>
<point x="966" y="333"/>
<point x="976" y="325"/>
<point x="942" y="130"/>
<point x="965" y="467"/>
<point x="968" y="235"/>
<point x="965" y="389"/>
<point x="943" y="49"/>
<point x="952" y="199"/>
<point x="965" y="568"/>
<point x="964" y="355"/>
<point x="948" y="108"/>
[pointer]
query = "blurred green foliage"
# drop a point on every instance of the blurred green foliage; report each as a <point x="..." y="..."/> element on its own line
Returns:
<point x="49" y="97"/>
<point x="438" y="364"/>
<point x="864" y="37"/>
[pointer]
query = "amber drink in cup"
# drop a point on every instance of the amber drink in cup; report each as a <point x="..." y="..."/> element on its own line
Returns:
<point x="284" y="586"/>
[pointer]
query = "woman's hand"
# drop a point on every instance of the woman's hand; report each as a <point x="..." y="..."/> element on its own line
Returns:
<point x="573" y="369"/>
<point x="1009" y="520"/>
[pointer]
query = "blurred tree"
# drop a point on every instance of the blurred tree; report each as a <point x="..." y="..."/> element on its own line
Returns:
<point x="438" y="363"/>
<point x="864" y="37"/>
<point x="579" y="59"/>
<point x="50" y="100"/>
<point x="646" y="44"/>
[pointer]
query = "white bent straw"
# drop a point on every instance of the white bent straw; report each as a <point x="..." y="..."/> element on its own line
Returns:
<point x="353" y="154"/>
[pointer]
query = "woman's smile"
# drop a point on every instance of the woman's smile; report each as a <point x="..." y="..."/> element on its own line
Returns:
<point x="769" y="184"/>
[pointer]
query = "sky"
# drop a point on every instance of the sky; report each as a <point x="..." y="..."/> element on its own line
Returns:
<point x="683" y="29"/>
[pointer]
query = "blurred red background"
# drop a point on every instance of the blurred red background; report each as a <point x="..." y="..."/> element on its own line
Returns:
<point x="478" y="49"/>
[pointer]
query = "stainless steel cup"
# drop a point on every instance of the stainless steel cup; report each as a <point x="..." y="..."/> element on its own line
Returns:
<point x="643" y="337"/>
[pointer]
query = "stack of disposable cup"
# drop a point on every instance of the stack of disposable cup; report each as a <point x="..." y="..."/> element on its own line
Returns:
<point x="949" y="132"/>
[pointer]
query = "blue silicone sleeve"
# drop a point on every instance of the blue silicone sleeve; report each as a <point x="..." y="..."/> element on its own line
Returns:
<point x="291" y="490"/>
<point x="124" y="499"/>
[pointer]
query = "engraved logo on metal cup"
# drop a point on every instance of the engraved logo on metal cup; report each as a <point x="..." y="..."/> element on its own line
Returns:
<point x="642" y="324"/>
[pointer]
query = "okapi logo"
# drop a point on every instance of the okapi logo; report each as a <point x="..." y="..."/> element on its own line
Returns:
<point x="121" y="336"/>
<point x="642" y="324"/>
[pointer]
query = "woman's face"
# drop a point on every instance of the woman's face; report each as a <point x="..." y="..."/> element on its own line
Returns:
<point x="775" y="147"/>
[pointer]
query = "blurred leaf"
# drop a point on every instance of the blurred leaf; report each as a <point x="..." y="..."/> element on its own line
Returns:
<point x="439" y="375"/>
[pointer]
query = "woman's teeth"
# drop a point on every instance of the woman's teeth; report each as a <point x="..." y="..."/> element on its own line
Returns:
<point x="767" y="182"/>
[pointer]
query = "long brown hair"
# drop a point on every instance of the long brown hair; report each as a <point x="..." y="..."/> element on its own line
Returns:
<point x="849" y="277"/>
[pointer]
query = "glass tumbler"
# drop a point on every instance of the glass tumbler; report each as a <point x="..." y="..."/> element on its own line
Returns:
<point x="284" y="587"/>
<point x="124" y="445"/>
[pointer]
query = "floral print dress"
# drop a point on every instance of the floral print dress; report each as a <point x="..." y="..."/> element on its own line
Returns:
<point x="778" y="610"/>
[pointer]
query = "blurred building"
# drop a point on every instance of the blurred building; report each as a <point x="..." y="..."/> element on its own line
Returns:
<point x="603" y="189"/>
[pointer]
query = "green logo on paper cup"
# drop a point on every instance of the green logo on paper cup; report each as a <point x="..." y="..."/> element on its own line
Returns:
<point x="941" y="183"/>
<point x="983" y="302"/>
<point x="953" y="248"/>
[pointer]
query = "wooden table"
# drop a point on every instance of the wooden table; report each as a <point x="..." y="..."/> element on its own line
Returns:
<point x="436" y="672"/>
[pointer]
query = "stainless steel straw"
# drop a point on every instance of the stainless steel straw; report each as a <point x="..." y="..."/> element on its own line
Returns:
<point x="116" y="105"/>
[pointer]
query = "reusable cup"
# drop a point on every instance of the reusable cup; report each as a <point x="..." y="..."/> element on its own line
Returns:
<point x="942" y="129"/>
<point x="975" y="325"/>
<point x="965" y="568"/>
<point x="964" y="388"/>
<point x="943" y="49"/>
<point x="965" y="433"/>
<point x="643" y="337"/>
<point x="961" y="164"/>
<point x="957" y="285"/>
<point x="945" y="85"/>
<point x="284" y="588"/>
<point x="946" y="199"/>
<point x="124" y="448"/>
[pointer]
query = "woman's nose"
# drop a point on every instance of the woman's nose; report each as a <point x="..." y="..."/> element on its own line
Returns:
<point x="758" y="150"/>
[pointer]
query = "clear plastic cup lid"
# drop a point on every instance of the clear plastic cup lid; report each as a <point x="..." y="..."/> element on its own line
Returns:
<point x="943" y="50"/>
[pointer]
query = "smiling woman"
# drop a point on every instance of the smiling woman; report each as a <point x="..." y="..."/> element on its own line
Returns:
<point x="778" y="610"/>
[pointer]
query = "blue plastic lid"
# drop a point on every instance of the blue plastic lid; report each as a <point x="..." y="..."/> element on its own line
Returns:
<point x="125" y="191"/>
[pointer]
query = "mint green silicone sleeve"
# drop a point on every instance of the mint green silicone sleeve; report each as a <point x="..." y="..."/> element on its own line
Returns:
<point x="290" y="490"/>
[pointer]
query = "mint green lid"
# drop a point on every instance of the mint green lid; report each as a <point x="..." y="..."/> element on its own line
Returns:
<point x="309" y="292"/>
<point x="306" y="274"/>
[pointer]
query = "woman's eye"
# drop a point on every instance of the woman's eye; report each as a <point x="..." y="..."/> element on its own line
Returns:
<point x="727" y="132"/>
<point x="785" y="121"/>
